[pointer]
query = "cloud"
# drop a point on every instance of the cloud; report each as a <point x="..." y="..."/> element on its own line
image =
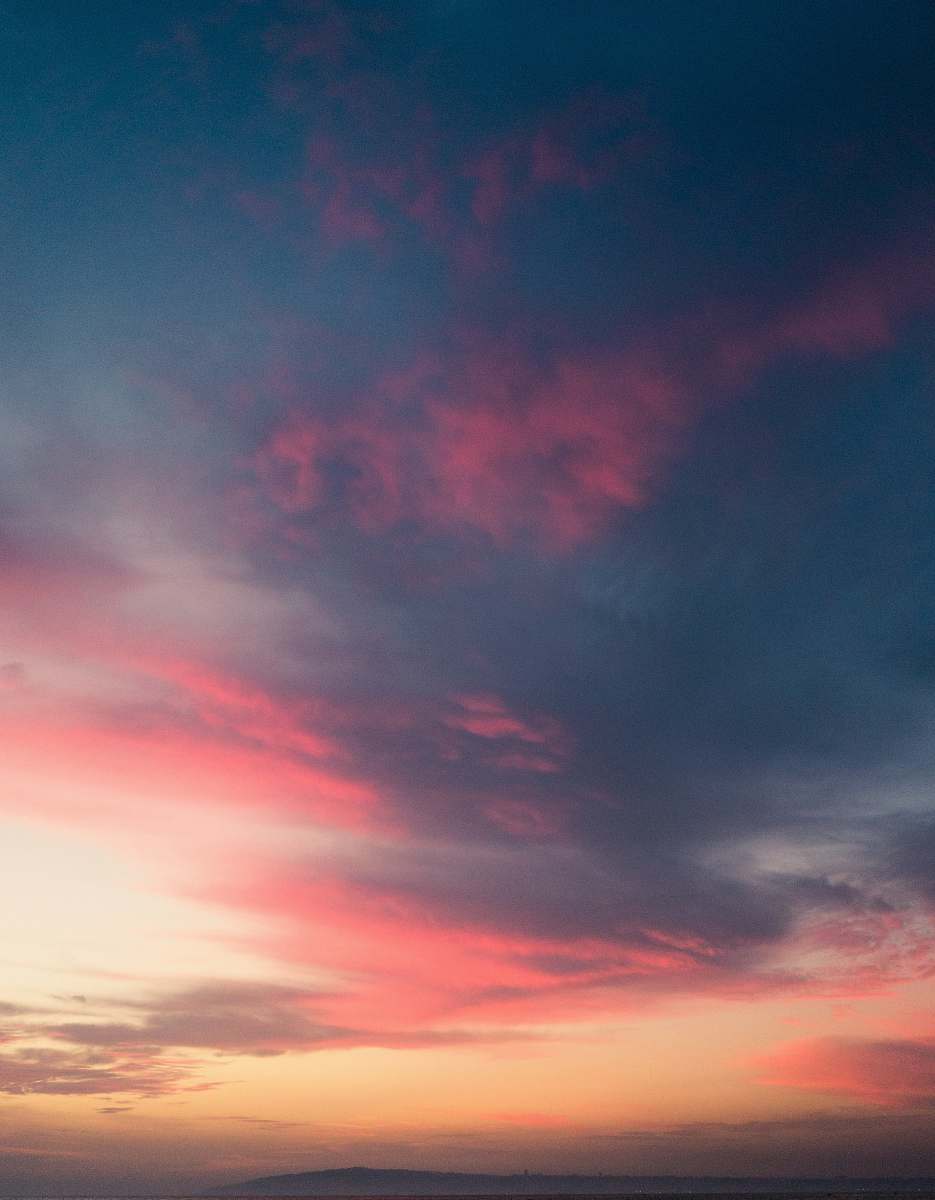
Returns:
<point x="500" y="445"/>
<point x="230" y="1017"/>
<point x="263" y="1122"/>
<point x="535" y="743"/>
<point x="559" y="745"/>
<point x="821" y="1143"/>
<point x="226" y="702"/>
<point x="896" y="1072"/>
<point x="242" y="1018"/>
<point x="913" y="854"/>
<point x="853" y="311"/>
<point x="539" y="931"/>
<point x="39" y="563"/>
<point x="486" y="433"/>
<point x="382" y="159"/>
<point x="489" y="717"/>
<point x="56" y="1072"/>
<point x="583" y="145"/>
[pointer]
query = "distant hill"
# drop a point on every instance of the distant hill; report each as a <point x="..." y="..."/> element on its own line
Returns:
<point x="372" y="1181"/>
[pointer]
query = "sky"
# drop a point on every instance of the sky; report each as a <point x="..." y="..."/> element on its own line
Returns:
<point x="467" y="589"/>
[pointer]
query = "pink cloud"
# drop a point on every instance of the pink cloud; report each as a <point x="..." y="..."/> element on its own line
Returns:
<point x="341" y="192"/>
<point x="499" y="444"/>
<point x="494" y="173"/>
<point x="865" y="951"/>
<point x="289" y="463"/>
<point x="37" y="570"/>
<point x="327" y="36"/>
<point x="890" y="1072"/>
<point x="263" y="209"/>
<point x="853" y="312"/>
<point x="524" y="818"/>
<point x="561" y="452"/>
<point x="413" y="962"/>
<point x="527" y="762"/>
<point x="428" y="935"/>
<point x="581" y="145"/>
<point x="487" y="716"/>
<point x="589" y="141"/>
<point x="115" y="702"/>
<point x="35" y="1070"/>
<point x="481" y="435"/>
<point x="170" y="764"/>
<point x="227" y="703"/>
<point x="348" y="216"/>
<point x="144" y="718"/>
<point x="379" y="163"/>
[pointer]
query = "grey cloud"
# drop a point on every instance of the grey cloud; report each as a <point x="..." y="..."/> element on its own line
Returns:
<point x="240" y="1017"/>
<point x="666" y="922"/>
<point x="733" y="663"/>
<point x="55" y="1072"/>
<point x="913" y="854"/>
<point x="243" y="1019"/>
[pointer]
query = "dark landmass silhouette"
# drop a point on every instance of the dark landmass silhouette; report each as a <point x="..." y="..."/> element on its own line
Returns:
<point x="374" y="1181"/>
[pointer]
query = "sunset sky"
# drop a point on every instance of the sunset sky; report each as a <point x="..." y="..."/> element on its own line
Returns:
<point x="467" y="588"/>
